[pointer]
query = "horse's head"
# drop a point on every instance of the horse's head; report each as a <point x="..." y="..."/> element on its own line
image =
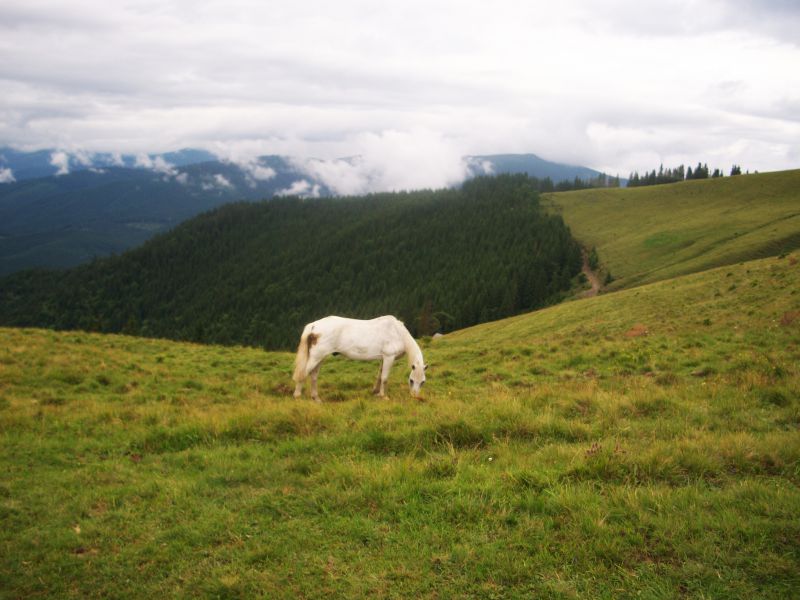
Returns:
<point x="417" y="377"/>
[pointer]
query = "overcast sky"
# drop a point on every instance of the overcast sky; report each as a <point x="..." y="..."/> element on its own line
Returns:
<point x="410" y="85"/>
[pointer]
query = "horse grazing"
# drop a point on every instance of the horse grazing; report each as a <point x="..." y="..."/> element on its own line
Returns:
<point x="384" y="338"/>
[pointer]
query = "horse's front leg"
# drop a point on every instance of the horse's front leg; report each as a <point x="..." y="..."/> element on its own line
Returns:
<point x="377" y="387"/>
<point x="384" y="376"/>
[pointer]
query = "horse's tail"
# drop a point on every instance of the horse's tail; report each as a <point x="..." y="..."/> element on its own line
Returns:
<point x="307" y="340"/>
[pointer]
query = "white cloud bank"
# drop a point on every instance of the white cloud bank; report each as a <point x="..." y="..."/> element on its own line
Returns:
<point x="408" y="88"/>
<point x="391" y="161"/>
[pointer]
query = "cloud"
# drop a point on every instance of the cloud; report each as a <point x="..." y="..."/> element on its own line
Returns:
<point x="382" y="84"/>
<point x="82" y="157"/>
<point x="246" y="155"/>
<point x="222" y="181"/>
<point x="6" y="175"/>
<point x="777" y="20"/>
<point x="391" y="161"/>
<point x="647" y="140"/>
<point x="254" y="171"/>
<point x="60" y="160"/>
<point x="217" y="181"/>
<point x="259" y="172"/>
<point x="302" y="188"/>
<point x="343" y="176"/>
<point x="143" y="161"/>
<point x="477" y="166"/>
<point x="159" y="165"/>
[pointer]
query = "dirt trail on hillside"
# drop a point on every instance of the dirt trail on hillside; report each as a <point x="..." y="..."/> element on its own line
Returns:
<point x="593" y="278"/>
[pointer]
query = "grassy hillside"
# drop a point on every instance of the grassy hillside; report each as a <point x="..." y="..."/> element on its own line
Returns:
<point x="653" y="233"/>
<point x="643" y="443"/>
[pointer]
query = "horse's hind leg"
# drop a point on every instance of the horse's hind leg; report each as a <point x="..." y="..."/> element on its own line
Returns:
<point x="313" y="376"/>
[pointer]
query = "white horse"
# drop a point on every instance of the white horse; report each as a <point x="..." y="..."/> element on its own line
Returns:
<point x="384" y="338"/>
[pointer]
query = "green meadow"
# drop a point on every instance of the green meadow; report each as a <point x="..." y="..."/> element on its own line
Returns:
<point x="653" y="233"/>
<point x="637" y="444"/>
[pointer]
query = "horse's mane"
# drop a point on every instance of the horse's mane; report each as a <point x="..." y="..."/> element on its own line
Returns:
<point x="413" y="350"/>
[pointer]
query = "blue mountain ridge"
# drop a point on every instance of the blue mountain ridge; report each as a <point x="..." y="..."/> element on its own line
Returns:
<point x="101" y="208"/>
<point x="40" y="163"/>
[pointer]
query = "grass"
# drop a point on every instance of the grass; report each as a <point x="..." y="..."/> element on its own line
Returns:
<point x="643" y="443"/>
<point x="654" y="233"/>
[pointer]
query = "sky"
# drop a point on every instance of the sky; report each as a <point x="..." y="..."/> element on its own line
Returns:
<point x="410" y="87"/>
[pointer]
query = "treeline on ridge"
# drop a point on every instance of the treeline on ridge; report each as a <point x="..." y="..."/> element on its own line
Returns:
<point x="602" y="180"/>
<point x="255" y="273"/>
<point x="680" y="173"/>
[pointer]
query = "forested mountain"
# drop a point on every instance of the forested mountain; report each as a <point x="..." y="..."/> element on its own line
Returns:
<point x="255" y="273"/>
<point x="96" y="209"/>
<point x="63" y="221"/>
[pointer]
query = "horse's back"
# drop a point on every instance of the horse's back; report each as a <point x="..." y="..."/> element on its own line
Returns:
<point x="335" y="322"/>
<point x="358" y="338"/>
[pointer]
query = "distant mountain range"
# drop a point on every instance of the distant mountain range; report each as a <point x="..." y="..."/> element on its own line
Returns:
<point x="43" y="163"/>
<point x="532" y="165"/>
<point x="21" y="166"/>
<point x="59" y="209"/>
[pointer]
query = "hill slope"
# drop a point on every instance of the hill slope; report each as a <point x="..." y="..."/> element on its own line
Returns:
<point x="564" y="453"/>
<point x="256" y="273"/>
<point x="657" y="232"/>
